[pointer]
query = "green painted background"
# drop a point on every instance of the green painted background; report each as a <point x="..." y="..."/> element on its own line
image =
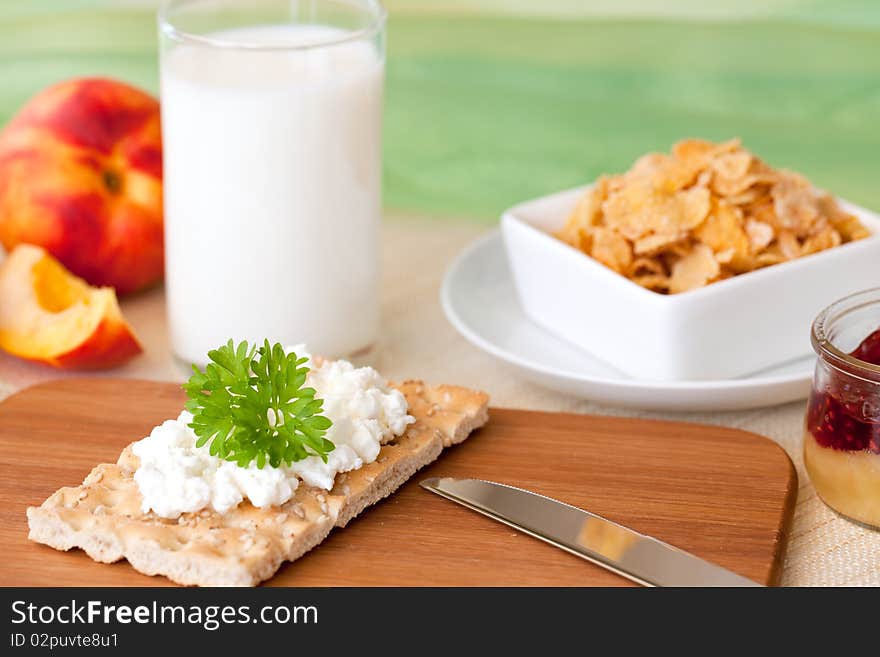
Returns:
<point x="491" y="102"/>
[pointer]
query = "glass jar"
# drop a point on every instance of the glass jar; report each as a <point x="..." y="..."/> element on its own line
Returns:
<point x="842" y="428"/>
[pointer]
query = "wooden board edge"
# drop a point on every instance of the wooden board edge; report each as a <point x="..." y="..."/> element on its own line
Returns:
<point x="785" y="524"/>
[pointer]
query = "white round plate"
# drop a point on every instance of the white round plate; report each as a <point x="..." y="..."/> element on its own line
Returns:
<point x="480" y="301"/>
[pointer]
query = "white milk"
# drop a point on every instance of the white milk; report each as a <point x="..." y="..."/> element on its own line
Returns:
<point x="272" y="192"/>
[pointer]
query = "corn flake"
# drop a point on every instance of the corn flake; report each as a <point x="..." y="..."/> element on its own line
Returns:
<point x="825" y="239"/>
<point x="760" y="235"/>
<point x="696" y="269"/>
<point x="796" y="208"/>
<point x="724" y="232"/>
<point x="657" y="242"/>
<point x="611" y="249"/>
<point x="656" y="282"/>
<point x="645" y="266"/>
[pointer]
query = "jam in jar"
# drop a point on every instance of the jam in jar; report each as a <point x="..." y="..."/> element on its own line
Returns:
<point x="842" y="436"/>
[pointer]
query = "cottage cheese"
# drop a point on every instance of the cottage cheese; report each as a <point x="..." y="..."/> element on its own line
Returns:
<point x="175" y="476"/>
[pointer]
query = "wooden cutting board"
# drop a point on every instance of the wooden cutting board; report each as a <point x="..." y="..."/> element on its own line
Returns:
<point x="723" y="494"/>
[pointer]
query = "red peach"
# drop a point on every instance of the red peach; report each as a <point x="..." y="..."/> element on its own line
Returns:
<point x="81" y="176"/>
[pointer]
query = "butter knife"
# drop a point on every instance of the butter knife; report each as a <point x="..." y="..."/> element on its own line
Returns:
<point x="638" y="557"/>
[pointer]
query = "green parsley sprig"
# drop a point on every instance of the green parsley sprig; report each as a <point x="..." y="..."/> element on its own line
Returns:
<point x="250" y="404"/>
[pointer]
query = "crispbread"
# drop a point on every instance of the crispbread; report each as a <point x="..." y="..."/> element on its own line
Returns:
<point x="246" y="545"/>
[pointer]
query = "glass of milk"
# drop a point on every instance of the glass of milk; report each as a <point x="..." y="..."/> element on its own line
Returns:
<point x="271" y="126"/>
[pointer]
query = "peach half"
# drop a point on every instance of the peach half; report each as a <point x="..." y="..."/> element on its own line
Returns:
<point x="51" y="316"/>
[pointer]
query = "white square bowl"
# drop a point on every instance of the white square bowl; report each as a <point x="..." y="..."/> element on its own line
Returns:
<point x="731" y="328"/>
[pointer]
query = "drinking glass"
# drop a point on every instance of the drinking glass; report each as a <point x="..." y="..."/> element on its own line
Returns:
<point x="271" y="127"/>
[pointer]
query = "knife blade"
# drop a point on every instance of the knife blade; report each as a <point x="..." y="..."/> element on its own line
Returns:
<point x="640" y="558"/>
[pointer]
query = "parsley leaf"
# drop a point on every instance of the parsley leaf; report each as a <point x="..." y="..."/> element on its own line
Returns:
<point x="250" y="405"/>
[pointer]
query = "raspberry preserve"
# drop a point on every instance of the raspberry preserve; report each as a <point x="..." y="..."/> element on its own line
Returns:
<point x="842" y="436"/>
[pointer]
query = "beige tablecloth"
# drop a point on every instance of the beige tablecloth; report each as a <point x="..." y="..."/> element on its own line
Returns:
<point x="417" y="341"/>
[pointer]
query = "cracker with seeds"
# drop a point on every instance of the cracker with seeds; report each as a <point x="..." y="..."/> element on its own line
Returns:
<point x="246" y="545"/>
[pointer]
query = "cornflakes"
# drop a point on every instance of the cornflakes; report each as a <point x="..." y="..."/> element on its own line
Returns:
<point x="644" y="266"/>
<point x="723" y="232"/>
<point x="795" y="203"/>
<point x="657" y="242"/>
<point x="704" y="213"/>
<point x="760" y="234"/>
<point x="694" y="270"/>
<point x="639" y="209"/>
<point x="611" y="249"/>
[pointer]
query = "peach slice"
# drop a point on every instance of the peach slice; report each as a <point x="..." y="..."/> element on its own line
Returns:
<point x="51" y="316"/>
